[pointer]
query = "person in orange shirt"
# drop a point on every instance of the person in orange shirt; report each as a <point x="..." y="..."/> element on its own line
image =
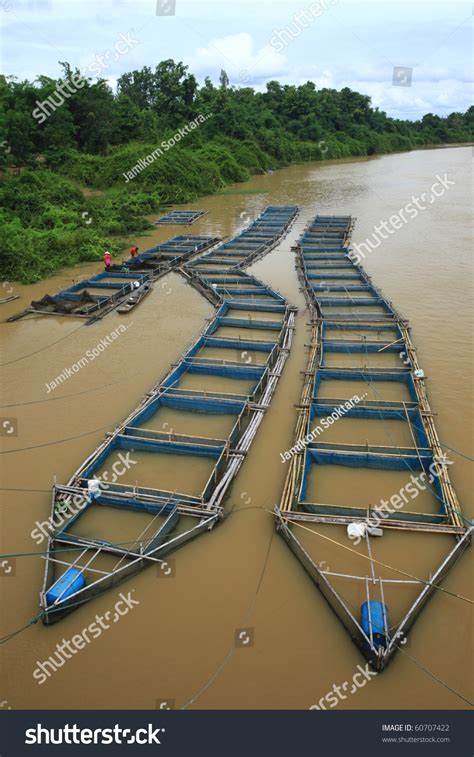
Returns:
<point x="134" y="251"/>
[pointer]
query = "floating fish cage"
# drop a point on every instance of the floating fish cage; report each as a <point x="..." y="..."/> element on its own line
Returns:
<point x="256" y="240"/>
<point x="97" y="295"/>
<point x="180" y="217"/>
<point x="196" y="426"/>
<point x="362" y="369"/>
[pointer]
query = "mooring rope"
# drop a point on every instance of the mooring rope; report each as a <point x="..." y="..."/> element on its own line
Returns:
<point x="435" y="677"/>
<point x="74" y="394"/>
<point x="43" y="491"/>
<point x="231" y="651"/>
<point x="30" y="354"/>
<point x="36" y="618"/>
<point x="384" y="565"/>
<point x="11" y="635"/>
<point x="58" y="441"/>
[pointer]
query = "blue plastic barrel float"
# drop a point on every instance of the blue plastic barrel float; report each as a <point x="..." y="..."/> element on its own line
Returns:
<point x="376" y="619"/>
<point x="70" y="582"/>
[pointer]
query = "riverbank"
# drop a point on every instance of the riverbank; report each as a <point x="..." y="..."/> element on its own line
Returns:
<point x="72" y="212"/>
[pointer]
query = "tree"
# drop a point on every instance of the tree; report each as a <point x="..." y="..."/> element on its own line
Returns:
<point x="59" y="131"/>
<point x="20" y="127"/>
<point x="139" y="87"/>
<point x="223" y="79"/>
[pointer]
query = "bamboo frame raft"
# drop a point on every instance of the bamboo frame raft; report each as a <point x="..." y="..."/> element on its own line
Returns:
<point x="180" y="218"/>
<point x="343" y="300"/>
<point x="121" y="280"/>
<point x="171" y="511"/>
<point x="12" y="297"/>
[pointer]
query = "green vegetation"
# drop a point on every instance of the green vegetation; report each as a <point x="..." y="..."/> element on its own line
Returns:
<point x="61" y="170"/>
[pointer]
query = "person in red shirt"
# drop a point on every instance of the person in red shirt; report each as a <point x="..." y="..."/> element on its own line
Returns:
<point x="133" y="251"/>
<point x="107" y="260"/>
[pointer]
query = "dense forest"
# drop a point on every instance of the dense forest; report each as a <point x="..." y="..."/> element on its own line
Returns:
<point x="76" y="179"/>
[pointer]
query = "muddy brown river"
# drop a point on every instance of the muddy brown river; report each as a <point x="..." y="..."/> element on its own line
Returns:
<point x="175" y="648"/>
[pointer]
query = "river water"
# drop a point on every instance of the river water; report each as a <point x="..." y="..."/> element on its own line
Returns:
<point x="176" y="646"/>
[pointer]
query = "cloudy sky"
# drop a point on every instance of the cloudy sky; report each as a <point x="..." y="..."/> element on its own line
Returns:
<point x="334" y="43"/>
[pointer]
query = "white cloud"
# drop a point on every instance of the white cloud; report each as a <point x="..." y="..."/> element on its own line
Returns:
<point x="236" y="54"/>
